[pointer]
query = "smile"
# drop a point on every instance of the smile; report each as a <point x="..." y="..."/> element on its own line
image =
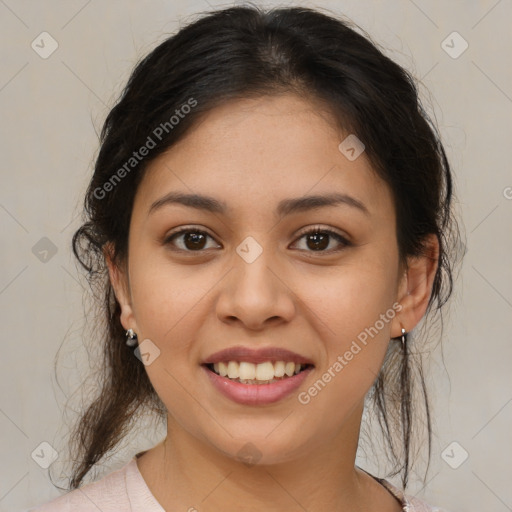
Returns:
<point x="254" y="391"/>
<point x="245" y="372"/>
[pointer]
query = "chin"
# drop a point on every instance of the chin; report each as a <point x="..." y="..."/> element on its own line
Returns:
<point x="260" y="449"/>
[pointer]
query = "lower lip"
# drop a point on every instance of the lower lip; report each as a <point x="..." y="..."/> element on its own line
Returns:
<point x="256" y="394"/>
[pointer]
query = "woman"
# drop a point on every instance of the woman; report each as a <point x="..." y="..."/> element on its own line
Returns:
<point x="269" y="219"/>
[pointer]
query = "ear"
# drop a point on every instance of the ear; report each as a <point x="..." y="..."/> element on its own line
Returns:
<point x="415" y="287"/>
<point x="120" y="283"/>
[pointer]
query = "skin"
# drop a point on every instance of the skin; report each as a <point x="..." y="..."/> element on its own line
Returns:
<point x="251" y="154"/>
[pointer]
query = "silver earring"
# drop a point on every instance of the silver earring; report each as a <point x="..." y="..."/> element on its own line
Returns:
<point x="131" y="338"/>
<point x="403" y="337"/>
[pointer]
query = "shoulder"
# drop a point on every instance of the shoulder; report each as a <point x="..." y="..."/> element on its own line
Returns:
<point x="411" y="503"/>
<point x="109" y="494"/>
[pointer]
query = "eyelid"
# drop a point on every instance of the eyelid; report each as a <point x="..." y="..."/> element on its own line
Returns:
<point x="191" y="227"/>
<point x="322" y="229"/>
<point x="186" y="229"/>
<point x="343" y="239"/>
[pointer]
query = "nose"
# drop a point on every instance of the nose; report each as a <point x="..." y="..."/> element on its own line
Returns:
<point x="255" y="295"/>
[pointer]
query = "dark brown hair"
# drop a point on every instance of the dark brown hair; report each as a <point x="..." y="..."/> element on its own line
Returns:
<point x="243" y="52"/>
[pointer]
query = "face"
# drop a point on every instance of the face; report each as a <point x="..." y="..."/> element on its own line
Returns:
<point x="241" y="271"/>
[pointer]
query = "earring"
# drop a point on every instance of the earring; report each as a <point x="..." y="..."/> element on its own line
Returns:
<point x="403" y="337"/>
<point x="131" y="338"/>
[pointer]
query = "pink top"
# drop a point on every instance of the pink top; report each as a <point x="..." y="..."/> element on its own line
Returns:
<point x="125" y="490"/>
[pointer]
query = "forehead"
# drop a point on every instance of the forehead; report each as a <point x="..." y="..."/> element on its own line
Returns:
<point x="259" y="151"/>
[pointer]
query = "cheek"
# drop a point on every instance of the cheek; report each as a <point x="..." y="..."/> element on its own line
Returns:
<point x="352" y="313"/>
<point x="351" y="298"/>
<point x="167" y="302"/>
<point x="168" y="305"/>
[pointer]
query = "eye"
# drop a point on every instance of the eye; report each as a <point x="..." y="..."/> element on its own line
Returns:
<point x="317" y="239"/>
<point x="192" y="240"/>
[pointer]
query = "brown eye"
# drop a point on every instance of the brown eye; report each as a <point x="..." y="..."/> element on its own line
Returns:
<point x="318" y="240"/>
<point x="194" y="241"/>
<point x="191" y="240"/>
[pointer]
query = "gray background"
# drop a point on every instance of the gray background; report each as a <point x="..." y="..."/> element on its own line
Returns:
<point x="51" y="110"/>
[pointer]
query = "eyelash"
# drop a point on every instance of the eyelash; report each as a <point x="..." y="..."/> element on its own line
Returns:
<point x="315" y="230"/>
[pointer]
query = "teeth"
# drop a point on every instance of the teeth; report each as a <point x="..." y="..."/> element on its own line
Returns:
<point x="289" y="369"/>
<point x="250" y="373"/>
<point x="264" y="371"/>
<point x="279" y="367"/>
<point x="223" y="369"/>
<point x="246" y="371"/>
<point x="233" y="369"/>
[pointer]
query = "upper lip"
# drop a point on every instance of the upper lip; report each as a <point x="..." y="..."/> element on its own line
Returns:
<point x="256" y="355"/>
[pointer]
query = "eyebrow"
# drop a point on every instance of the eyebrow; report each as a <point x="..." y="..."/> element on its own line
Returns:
<point x="284" y="207"/>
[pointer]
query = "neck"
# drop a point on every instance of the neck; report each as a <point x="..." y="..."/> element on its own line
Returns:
<point x="186" y="473"/>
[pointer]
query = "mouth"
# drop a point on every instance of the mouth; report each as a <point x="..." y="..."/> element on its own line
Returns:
<point x="257" y="376"/>
<point x="249" y="373"/>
